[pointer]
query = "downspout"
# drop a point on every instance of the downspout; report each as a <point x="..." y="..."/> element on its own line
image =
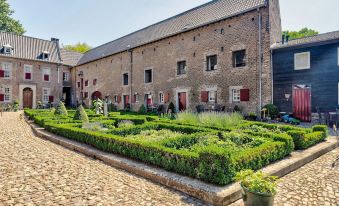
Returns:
<point x="131" y="74"/>
<point x="260" y="60"/>
<point x="272" y="76"/>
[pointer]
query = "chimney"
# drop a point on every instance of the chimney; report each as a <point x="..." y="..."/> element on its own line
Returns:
<point x="56" y="40"/>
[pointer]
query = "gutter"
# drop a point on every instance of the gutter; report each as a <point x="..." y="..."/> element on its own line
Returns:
<point x="260" y="60"/>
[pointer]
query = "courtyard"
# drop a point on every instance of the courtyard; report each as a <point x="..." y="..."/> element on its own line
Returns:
<point x="38" y="172"/>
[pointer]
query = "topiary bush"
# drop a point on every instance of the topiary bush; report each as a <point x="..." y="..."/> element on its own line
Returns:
<point x="142" y="109"/>
<point x="171" y="107"/>
<point x="272" y="110"/>
<point x="81" y="114"/>
<point x="61" y="109"/>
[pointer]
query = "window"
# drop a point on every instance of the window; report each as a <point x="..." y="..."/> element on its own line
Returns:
<point x="239" y="58"/>
<point x="45" y="55"/>
<point x="46" y="74"/>
<point x="181" y="68"/>
<point x="28" y="72"/>
<point x="236" y="95"/>
<point x="116" y="99"/>
<point x="212" y="95"/>
<point x="95" y="82"/>
<point x="302" y="61"/>
<point x="45" y="95"/>
<point x="125" y="79"/>
<point x="7" y="49"/>
<point x="7" y="96"/>
<point x="86" y="95"/>
<point x="86" y="83"/>
<point x="78" y="84"/>
<point x="211" y="63"/>
<point x="7" y="67"/>
<point x="161" y="97"/>
<point x="66" y="76"/>
<point x="148" y="76"/>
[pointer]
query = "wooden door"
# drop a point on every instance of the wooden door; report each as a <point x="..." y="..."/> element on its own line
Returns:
<point x="27" y="98"/>
<point x="302" y="104"/>
<point x="182" y="101"/>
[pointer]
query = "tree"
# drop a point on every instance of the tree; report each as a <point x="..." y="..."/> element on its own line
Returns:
<point x="81" y="114"/>
<point x="7" y="23"/>
<point x="61" y="109"/>
<point x="79" y="47"/>
<point x="304" y="32"/>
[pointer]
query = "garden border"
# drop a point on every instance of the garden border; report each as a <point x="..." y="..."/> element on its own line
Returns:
<point x="217" y="195"/>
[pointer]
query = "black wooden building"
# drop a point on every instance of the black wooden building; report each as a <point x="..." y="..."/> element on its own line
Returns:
<point x="306" y="75"/>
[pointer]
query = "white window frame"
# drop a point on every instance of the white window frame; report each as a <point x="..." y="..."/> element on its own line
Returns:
<point x="7" y="67"/>
<point x="45" y="96"/>
<point x="308" y="66"/>
<point x="30" y="67"/>
<point x="115" y="98"/>
<point x="7" y="50"/>
<point x="212" y="98"/>
<point x="46" y="70"/>
<point x="7" y="94"/>
<point x="232" y="98"/>
<point x="161" y="97"/>
<point x="66" y="76"/>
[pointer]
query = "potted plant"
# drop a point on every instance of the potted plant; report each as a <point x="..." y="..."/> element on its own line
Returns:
<point x="15" y="106"/>
<point x="258" y="188"/>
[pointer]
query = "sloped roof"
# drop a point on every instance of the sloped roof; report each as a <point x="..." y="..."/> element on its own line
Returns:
<point x="70" y="58"/>
<point x="308" y="40"/>
<point x="202" y="15"/>
<point x="30" y="48"/>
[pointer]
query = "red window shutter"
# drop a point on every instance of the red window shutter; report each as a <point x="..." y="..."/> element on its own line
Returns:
<point x="79" y="84"/>
<point x="167" y="97"/>
<point x="2" y="73"/>
<point x="28" y="76"/>
<point x="204" y="96"/>
<point x="2" y="97"/>
<point x="51" y="98"/>
<point x="46" y="77"/>
<point x="244" y="95"/>
<point x="119" y="99"/>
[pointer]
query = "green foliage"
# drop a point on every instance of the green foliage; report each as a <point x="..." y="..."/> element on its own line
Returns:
<point x="257" y="182"/>
<point x="81" y="114"/>
<point x="61" y="109"/>
<point x="98" y="106"/>
<point x="208" y="153"/>
<point x="142" y="109"/>
<point x="272" y="110"/>
<point x="79" y="47"/>
<point x="304" y="32"/>
<point x="171" y="107"/>
<point x="7" y="23"/>
<point x="209" y="119"/>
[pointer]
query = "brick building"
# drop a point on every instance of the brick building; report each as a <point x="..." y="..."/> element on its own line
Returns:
<point x="32" y="70"/>
<point x="217" y="53"/>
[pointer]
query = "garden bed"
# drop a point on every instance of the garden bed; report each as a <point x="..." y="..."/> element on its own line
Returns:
<point x="202" y="152"/>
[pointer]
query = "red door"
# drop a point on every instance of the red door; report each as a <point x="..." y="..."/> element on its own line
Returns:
<point x="302" y="104"/>
<point x="126" y="101"/>
<point x="182" y="101"/>
<point x="27" y="98"/>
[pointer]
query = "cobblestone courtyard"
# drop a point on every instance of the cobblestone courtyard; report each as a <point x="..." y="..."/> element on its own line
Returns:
<point x="37" y="172"/>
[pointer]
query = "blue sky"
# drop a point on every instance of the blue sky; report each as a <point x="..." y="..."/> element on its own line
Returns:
<point x="99" y="21"/>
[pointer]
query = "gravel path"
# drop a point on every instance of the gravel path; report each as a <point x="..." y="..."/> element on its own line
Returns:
<point x="37" y="172"/>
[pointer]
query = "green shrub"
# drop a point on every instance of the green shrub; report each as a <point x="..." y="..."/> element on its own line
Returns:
<point x="142" y="109"/>
<point x="171" y="107"/>
<point x="272" y="110"/>
<point x="81" y="114"/>
<point x="313" y="138"/>
<point x="320" y="128"/>
<point x="61" y="109"/>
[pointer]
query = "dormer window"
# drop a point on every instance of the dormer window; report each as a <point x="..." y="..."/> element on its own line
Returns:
<point x="7" y="49"/>
<point x="45" y="55"/>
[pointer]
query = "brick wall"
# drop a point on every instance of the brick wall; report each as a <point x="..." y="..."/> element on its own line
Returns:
<point x="221" y="39"/>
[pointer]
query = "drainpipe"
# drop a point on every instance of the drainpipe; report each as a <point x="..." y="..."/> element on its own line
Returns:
<point x="130" y="51"/>
<point x="272" y="86"/>
<point x="260" y="60"/>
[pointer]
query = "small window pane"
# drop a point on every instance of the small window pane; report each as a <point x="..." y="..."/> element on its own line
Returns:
<point x="181" y="68"/>
<point x="302" y="61"/>
<point x="148" y="76"/>
<point x="125" y="79"/>
<point x="212" y="62"/>
<point x="239" y="58"/>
